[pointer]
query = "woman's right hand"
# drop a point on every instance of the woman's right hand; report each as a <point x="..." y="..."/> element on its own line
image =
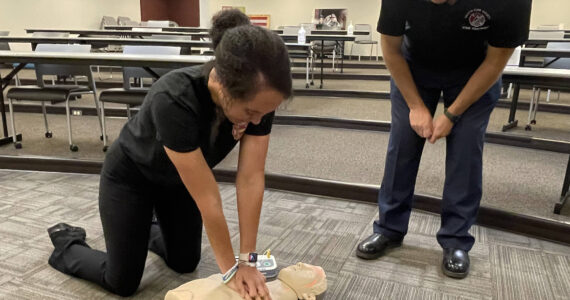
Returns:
<point x="250" y="284"/>
<point x="421" y="121"/>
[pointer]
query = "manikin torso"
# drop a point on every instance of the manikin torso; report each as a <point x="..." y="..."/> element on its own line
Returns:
<point x="300" y="281"/>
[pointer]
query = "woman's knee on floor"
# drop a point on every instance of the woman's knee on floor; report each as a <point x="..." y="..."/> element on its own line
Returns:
<point x="186" y="264"/>
<point x="125" y="288"/>
<point x="125" y="284"/>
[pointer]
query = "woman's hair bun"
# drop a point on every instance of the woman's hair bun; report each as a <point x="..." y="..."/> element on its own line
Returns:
<point x="224" y="20"/>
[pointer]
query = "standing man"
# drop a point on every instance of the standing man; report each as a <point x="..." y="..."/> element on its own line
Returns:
<point x="456" y="49"/>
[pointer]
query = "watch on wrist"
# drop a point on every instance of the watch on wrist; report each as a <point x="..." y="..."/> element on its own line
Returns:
<point x="249" y="259"/>
<point x="453" y="118"/>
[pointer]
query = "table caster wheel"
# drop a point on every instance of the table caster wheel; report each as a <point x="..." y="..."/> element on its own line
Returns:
<point x="18" y="145"/>
<point x="307" y="86"/>
<point x="527" y="128"/>
<point x="73" y="148"/>
<point x="105" y="148"/>
<point x="312" y="83"/>
<point x="49" y="135"/>
<point x="533" y="122"/>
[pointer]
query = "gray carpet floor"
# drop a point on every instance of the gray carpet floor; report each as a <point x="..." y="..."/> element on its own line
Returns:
<point x="530" y="188"/>
<point x="297" y="227"/>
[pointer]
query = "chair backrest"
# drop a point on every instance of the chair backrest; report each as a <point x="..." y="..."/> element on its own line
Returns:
<point x="157" y="23"/>
<point x="551" y="27"/>
<point x="135" y="72"/>
<point x="561" y="63"/>
<point x="309" y="27"/>
<point x="5" y="46"/>
<point x="123" y="20"/>
<point x="515" y="58"/>
<point x="363" y="27"/>
<point x="106" y="20"/>
<point x="50" y="34"/>
<point x="63" y="70"/>
<point x="545" y="34"/>
<point x="172" y="37"/>
<point x="147" y="29"/>
<point x="292" y="30"/>
<point x="183" y="50"/>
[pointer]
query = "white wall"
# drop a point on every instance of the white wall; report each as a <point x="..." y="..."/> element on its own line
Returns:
<point x="293" y="12"/>
<point x="18" y="15"/>
<point x="550" y="12"/>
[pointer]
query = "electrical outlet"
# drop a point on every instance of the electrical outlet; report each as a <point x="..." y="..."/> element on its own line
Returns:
<point x="76" y="112"/>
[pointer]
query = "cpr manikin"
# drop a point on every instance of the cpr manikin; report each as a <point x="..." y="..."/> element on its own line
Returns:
<point x="300" y="281"/>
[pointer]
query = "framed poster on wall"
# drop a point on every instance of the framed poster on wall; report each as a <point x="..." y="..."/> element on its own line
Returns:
<point x="260" y="20"/>
<point x="330" y="18"/>
<point x="240" y="8"/>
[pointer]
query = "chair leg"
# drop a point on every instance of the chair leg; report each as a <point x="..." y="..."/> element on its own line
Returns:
<point x="104" y="126"/>
<point x="72" y="147"/>
<point x="98" y="114"/>
<point x="128" y="111"/>
<point x="377" y="45"/>
<point x="371" y="48"/>
<point x="533" y="121"/>
<point x="334" y="54"/>
<point x="17" y="144"/>
<point x="509" y="91"/>
<point x="312" y="69"/>
<point x="558" y="98"/>
<point x="48" y="133"/>
<point x="530" y="108"/>
<point x="350" y="56"/>
<point x="548" y="95"/>
<point x="307" y="73"/>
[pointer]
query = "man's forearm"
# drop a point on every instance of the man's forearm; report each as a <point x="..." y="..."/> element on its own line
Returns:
<point x="484" y="77"/>
<point x="400" y="72"/>
<point x="249" y="190"/>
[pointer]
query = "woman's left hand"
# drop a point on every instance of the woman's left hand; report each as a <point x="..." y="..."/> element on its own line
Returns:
<point x="253" y="282"/>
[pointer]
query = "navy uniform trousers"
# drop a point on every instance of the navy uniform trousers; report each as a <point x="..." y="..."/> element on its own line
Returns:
<point x="463" y="165"/>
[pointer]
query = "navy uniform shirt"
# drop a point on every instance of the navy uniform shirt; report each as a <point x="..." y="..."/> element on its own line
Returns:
<point x="179" y="113"/>
<point x="445" y="37"/>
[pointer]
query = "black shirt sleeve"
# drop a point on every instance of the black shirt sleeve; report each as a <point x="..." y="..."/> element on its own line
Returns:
<point x="393" y="15"/>
<point x="510" y="27"/>
<point x="263" y="128"/>
<point x="177" y="127"/>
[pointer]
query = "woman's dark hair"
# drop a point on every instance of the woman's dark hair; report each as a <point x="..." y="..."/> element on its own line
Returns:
<point x="224" y="20"/>
<point x="248" y="57"/>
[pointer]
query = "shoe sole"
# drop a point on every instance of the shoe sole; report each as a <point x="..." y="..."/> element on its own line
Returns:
<point x="454" y="274"/>
<point x="76" y="230"/>
<point x="375" y="255"/>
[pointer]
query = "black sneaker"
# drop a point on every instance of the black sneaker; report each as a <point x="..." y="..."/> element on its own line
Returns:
<point x="66" y="232"/>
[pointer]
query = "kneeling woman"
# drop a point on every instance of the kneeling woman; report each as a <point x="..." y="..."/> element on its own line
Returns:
<point x="190" y="120"/>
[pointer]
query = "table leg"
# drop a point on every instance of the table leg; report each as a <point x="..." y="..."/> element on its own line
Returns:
<point x="512" y="123"/>
<point x="322" y="61"/>
<point x="565" y="193"/>
<point x="342" y="58"/>
<point x="4" y="82"/>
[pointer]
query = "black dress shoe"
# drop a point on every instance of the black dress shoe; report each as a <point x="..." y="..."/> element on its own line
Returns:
<point x="62" y="232"/>
<point x="375" y="245"/>
<point x="455" y="263"/>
